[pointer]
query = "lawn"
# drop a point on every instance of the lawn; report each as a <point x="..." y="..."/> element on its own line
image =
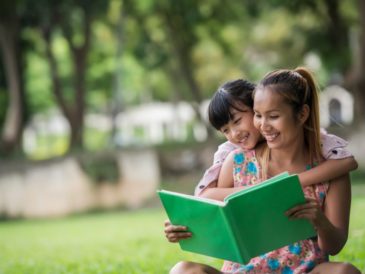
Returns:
<point x="120" y="242"/>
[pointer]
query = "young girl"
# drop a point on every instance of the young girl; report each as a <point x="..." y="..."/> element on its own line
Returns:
<point x="230" y="111"/>
<point x="292" y="142"/>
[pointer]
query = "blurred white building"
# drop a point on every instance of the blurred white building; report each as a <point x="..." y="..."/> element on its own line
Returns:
<point x="146" y="124"/>
<point x="154" y="123"/>
<point x="158" y="122"/>
<point x="336" y="106"/>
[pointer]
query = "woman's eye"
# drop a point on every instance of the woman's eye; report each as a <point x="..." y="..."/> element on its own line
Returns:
<point x="274" y="116"/>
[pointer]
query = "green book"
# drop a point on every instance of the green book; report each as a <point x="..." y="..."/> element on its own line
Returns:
<point x="247" y="224"/>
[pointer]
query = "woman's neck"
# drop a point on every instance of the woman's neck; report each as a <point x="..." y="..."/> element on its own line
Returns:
<point x="292" y="159"/>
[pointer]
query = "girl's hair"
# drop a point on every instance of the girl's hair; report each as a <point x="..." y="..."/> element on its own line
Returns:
<point x="232" y="94"/>
<point x="298" y="88"/>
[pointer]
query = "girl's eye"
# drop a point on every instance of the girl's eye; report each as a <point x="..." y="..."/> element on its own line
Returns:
<point x="237" y="121"/>
<point x="257" y="115"/>
<point x="274" y="116"/>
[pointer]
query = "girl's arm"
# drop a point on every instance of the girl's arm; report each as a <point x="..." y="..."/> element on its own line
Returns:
<point x="327" y="170"/>
<point x="210" y="177"/>
<point x="225" y="182"/>
<point x="332" y="223"/>
<point x="225" y="178"/>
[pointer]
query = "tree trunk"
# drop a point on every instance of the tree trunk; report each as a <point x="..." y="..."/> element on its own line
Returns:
<point x="359" y="87"/>
<point x="56" y="81"/>
<point x="74" y="110"/>
<point x="338" y="32"/>
<point x="77" y="120"/>
<point x="79" y="55"/>
<point x="13" y="125"/>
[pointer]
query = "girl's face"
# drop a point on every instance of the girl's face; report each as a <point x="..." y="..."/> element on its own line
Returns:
<point x="240" y="130"/>
<point x="275" y="119"/>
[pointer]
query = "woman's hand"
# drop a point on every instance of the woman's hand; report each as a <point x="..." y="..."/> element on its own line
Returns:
<point x="310" y="211"/>
<point x="175" y="233"/>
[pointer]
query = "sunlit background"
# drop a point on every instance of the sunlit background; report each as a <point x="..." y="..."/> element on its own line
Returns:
<point x="104" y="101"/>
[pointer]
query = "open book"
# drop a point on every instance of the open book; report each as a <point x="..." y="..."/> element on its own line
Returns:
<point x="247" y="224"/>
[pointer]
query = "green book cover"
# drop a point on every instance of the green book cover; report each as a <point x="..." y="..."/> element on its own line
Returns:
<point x="247" y="224"/>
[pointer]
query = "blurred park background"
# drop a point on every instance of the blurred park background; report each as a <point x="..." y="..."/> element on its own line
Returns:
<point x="103" y="102"/>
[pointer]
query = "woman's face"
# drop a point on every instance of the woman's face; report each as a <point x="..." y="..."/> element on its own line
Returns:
<point x="240" y="130"/>
<point x="275" y="119"/>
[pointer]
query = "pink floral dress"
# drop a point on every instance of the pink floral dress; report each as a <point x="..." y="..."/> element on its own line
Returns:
<point x="299" y="257"/>
<point x="333" y="147"/>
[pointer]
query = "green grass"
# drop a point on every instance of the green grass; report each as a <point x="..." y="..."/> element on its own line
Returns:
<point x="354" y="250"/>
<point x="123" y="242"/>
<point x="120" y="242"/>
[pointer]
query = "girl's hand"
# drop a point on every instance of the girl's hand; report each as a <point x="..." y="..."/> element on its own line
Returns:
<point x="175" y="233"/>
<point x="310" y="211"/>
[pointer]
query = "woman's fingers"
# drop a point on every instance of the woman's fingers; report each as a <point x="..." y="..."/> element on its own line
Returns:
<point x="175" y="228"/>
<point x="310" y="211"/>
<point x="293" y="210"/>
<point x="176" y="237"/>
<point x="305" y="213"/>
<point x="175" y="233"/>
<point x="311" y="203"/>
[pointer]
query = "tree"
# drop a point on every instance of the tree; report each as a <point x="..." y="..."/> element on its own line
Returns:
<point x="359" y="86"/>
<point x="74" y="19"/>
<point x="329" y="37"/>
<point x="178" y="28"/>
<point x="10" y="29"/>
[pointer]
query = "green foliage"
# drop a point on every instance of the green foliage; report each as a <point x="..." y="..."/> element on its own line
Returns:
<point x="95" y="140"/>
<point x="49" y="146"/>
<point x="38" y="87"/>
<point x="160" y="50"/>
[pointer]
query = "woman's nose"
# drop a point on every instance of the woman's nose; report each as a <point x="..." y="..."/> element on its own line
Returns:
<point x="264" y="124"/>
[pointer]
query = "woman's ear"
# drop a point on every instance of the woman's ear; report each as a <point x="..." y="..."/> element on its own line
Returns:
<point x="304" y="114"/>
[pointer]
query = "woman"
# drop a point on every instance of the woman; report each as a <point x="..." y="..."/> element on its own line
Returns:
<point x="286" y="114"/>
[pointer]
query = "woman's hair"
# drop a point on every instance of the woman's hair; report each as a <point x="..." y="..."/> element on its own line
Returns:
<point x="298" y="88"/>
<point x="232" y="94"/>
